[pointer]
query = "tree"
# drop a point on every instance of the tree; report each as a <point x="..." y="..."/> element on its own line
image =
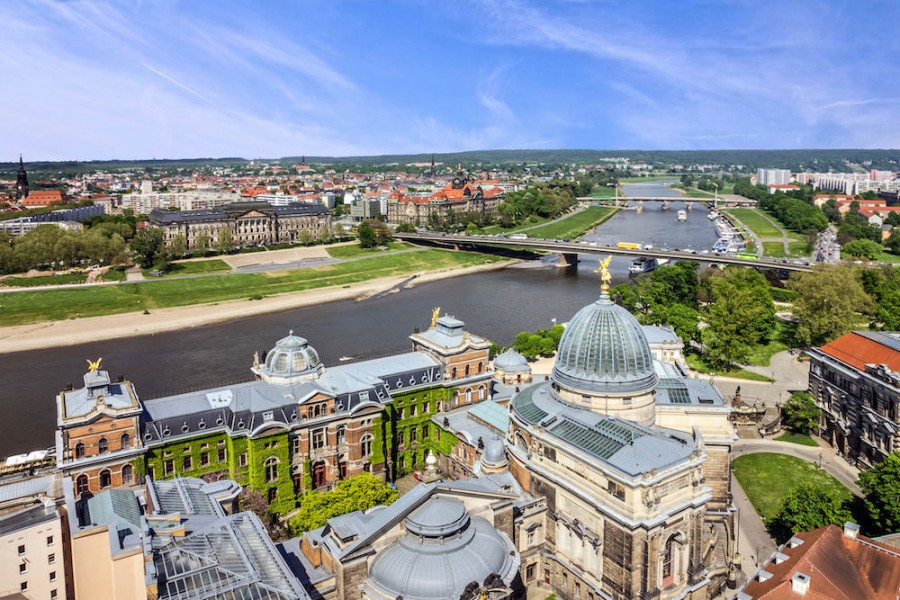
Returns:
<point x="367" y="237"/>
<point x="406" y="227"/>
<point x="179" y="246"/>
<point x="827" y="302"/>
<point x="360" y="492"/>
<point x="806" y="507"/>
<point x="800" y="412"/>
<point x="202" y="243"/>
<point x="893" y="242"/>
<point x="147" y="246"/>
<point x="862" y="248"/>
<point x="881" y="486"/>
<point x="225" y="242"/>
<point x="740" y="316"/>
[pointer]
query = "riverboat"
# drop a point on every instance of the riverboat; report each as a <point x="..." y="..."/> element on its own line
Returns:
<point x="682" y="215"/>
<point x="713" y="215"/>
<point x="645" y="264"/>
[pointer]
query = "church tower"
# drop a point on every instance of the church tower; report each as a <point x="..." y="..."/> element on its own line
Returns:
<point x="432" y="166"/>
<point x="21" y="181"/>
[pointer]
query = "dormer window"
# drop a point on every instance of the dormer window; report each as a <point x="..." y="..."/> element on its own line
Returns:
<point x="268" y="415"/>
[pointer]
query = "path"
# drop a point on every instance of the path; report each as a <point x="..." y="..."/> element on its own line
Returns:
<point x="788" y="373"/>
<point x="784" y="236"/>
<point x="757" y="241"/>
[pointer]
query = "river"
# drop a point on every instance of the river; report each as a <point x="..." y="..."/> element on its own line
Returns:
<point x="496" y="304"/>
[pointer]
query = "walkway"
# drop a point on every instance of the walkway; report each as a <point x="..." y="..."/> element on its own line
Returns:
<point x="784" y="236"/>
<point x="789" y="375"/>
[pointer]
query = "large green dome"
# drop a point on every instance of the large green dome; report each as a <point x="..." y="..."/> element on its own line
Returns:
<point x="604" y="351"/>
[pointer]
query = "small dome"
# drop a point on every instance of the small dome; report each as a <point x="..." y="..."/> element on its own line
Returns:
<point x="512" y="362"/>
<point x="291" y="356"/>
<point x="442" y="552"/>
<point x="494" y="455"/>
<point x="604" y="350"/>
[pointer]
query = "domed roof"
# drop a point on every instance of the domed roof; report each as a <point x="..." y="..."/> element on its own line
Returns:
<point x="442" y="552"/>
<point x="494" y="454"/>
<point x="291" y="356"/>
<point x="604" y="350"/>
<point x="511" y="362"/>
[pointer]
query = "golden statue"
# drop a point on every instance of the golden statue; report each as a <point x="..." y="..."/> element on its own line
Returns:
<point x="434" y="315"/>
<point x="605" y="277"/>
<point x="93" y="365"/>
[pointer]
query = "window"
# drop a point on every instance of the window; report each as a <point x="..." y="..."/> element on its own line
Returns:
<point x="401" y="463"/>
<point x="480" y="367"/>
<point x="424" y="431"/>
<point x="52" y="575"/>
<point x="412" y="435"/>
<point x="295" y="445"/>
<point x="168" y="467"/>
<point x="125" y="441"/>
<point x="668" y="576"/>
<point x="318" y="439"/>
<point x="23" y="586"/>
<point x="127" y="474"/>
<point x="468" y="370"/>
<point x="412" y="410"/>
<point x="49" y="540"/>
<point x="401" y="414"/>
<point x="151" y="473"/>
<point x="453" y="373"/>
<point x="242" y="460"/>
<point x="440" y="406"/>
<point x="481" y="393"/>
<point x="271" y="469"/>
<point x="468" y="396"/>
<point x="341" y="435"/>
<point x="222" y="455"/>
<point x="23" y="568"/>
<point x="530" y="571"/>
<point x="365" y="445"/>
<point x="79" y="450"/>
<point x="204" y="459"/>
<point x="105" y="478"/>
<point x="103" y="446"/>
<point x="187" y="463"/>
<point x="54" y="594"/>
<point x="425" y="407"/>
<point x="81" y="484"/>
<point x="51" y="559"/>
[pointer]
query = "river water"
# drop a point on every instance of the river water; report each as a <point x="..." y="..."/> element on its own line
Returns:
<point x="496" y="304"/>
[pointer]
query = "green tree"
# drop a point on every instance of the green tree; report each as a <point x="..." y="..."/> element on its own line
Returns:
<point x="740" y="315"/>
<point x="881" y="486"/>
<point x="202" y="243"/>
<point x="360" y="492"/>
<point x="806" y="507"/>
<point x="406" y="227"/>
<point x="862" y="248"/>
<point x="367" y="238"/>
<point x="800" y="412"/>
<point x="827" y="302"/>
<point x="179" y="246"/>
<point x="893" y="242"/>
<point x="225" y="242"/>
<point x="147" y="246"/>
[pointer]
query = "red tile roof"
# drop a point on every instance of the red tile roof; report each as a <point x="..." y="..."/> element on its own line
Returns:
<point x="40" y="198"/>
<point x="839" y="568"/>
<point x="858" y="350"/>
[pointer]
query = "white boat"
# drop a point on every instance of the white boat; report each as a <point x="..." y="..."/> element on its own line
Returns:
<point x="682" y="215"/>
<point x="713" y="215"/>
<point x="345" y="358"/>
<point x="643" y="264"/>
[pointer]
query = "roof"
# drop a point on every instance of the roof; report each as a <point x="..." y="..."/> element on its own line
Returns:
<point x="30" y="487"/>
<point x="839" y="567"/>
<point x="492" y="414"/>
<point x="26" y="518"/>
<point x="859" y="348"/>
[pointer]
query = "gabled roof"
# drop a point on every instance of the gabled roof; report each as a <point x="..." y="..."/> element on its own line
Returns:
<point x="859" y="348"/>
<point x="839" y="567"/>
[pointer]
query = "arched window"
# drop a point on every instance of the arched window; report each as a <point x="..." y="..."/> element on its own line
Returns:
<point x="668" y="570"/>
<point x="453" y="373"/>
<point x="126" y="441"/>
<point x="468" y="370"/>
<point x="271" y="469"/>
<point x="480" y="367"/>
<point x="481" y="392"/>
<point x="103" y="446"/>
<point x="365" y="444"/>
<point x="127" y="474"/>
<point x="79" y="450"/>
<point x="468" y="395"/>
<point x="105" y="478"/>
<point x="81" y="484"/>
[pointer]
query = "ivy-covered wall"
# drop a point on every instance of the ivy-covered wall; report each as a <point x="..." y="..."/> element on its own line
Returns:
<point x="393" y="430"/>
<point x="244" y="462"/>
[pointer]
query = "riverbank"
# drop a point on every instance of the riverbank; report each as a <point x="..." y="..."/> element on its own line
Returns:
<point x="51" y="334"/>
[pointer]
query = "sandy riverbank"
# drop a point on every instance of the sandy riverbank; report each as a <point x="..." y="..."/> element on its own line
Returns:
<point x="53" y="334"/>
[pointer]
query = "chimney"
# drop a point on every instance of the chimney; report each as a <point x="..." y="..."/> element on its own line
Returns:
<point x="851" y="530"/>
<point x="800" y="583"/>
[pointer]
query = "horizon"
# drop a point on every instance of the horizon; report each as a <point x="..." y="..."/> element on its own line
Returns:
<point x="160" y="80"/>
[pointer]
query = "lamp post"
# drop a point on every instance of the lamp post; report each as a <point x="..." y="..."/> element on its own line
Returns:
<point x="716" y="200"/>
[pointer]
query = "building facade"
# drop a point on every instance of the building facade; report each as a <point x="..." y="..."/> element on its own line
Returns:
<point x="855" y="381"/>
<point x="458" y="198"/>
<point x="247" y="223"/>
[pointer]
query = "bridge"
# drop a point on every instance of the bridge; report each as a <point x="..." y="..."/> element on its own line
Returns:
<point x="716" y="201"/>
<point x="569" y="251"/>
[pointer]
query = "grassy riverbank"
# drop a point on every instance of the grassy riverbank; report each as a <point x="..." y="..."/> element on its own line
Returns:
<point x="53" y="305"/>
<point x="354" y="251"/>
<point x="575" y="225"/>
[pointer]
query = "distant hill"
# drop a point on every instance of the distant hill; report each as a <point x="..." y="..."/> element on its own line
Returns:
<point x="818" y="160"/>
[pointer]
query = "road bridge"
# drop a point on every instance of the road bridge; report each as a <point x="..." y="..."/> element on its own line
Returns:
<point x="723" y="200"/>
<point x="569" y="251"/>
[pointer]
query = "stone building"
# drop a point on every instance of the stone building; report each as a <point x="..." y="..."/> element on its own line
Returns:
<point x="855" y="381"/>
<point x="249" y="224"/>
<point x="460" y="197"/>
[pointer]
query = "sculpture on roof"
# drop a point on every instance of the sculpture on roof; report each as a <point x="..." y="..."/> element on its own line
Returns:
<point x="605" y="277"/>
<point x="94" y="365"/>
<point x="434" y="315"/>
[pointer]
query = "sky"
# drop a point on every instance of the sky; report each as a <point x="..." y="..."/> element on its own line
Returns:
<point x="140" y="79"/>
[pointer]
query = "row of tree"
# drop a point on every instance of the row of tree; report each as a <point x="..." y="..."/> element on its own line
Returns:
<point x="52" y="247"/>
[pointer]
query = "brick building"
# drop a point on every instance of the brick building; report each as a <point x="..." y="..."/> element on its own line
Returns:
<point x="458" y="198"/>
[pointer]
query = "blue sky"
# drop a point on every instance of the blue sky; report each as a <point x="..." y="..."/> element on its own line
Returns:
<point x="167" y="79"/>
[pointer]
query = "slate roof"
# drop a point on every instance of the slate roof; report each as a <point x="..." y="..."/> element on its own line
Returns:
<point x="630" y="448"/>
<point x="116" y="395"/>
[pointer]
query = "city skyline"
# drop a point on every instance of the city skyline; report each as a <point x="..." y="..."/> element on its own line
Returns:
<point x="167" y="80"/>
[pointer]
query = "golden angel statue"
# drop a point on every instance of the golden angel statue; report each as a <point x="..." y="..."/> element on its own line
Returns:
<point x="605" y="277"/>
<point x="94" y="365"/>
<point x="434" y="315"/>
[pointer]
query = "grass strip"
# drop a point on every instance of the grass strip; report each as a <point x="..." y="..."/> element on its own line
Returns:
<point x="574" y="225"/>
<point x="354" y="251"/>
<point x="796" y="438"/>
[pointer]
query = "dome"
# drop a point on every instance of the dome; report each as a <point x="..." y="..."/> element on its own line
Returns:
<point x="511" y="362"/>
<point x="494" y="455"/>
<point x="442" y="551"/>
<point x="292" y="356"/>
<point x="604" y="351"/>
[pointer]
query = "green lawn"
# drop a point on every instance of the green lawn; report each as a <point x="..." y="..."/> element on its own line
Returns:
<point x="531" y="221"/>
<point x="575" y="225"/>
<point x="354" y="251"/>
<point x="194" y="267"/>
<point x="774" y="249"/>
<point x="53" y="305"/>
<point x="44" y="280"/>
<point x="779" y="340"/>
<point x="752" y="218"/>
<point x="796" y="438"/>
<point x="115" y="275"/>
<point x="767" y="477"/>
<point x="888" y="258"/>
<point x="603" y="190"/>
<point x="699" y="364"/>
<point x="650" y="178"/>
